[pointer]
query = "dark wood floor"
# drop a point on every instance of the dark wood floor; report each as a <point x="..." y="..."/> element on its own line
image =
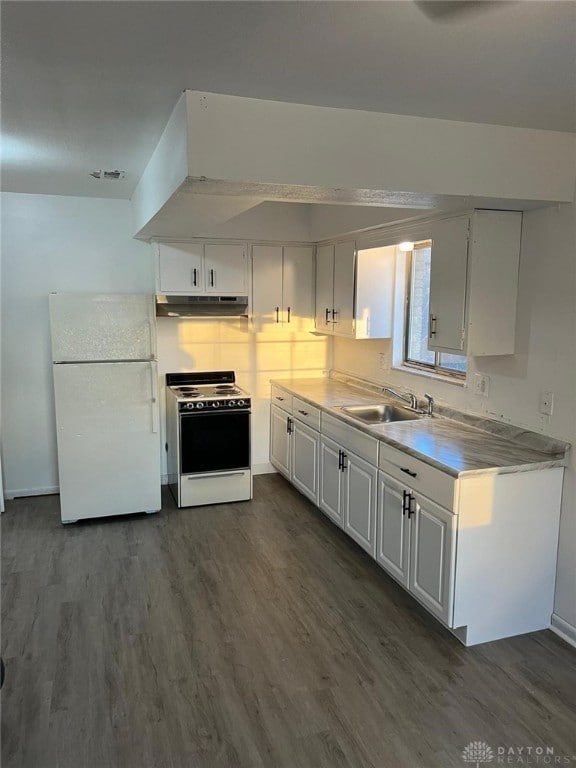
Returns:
<point x="247" y="635"/>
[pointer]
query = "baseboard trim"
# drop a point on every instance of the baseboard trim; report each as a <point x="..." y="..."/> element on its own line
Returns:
<point x="563" y="629"/>
<point x="15" y="493"/>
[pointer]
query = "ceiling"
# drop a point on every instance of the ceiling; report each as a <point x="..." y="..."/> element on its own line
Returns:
<point x="90" y="85"/>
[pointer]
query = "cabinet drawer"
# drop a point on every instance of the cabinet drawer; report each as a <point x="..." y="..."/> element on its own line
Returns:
<point x="359" y="443"/>
<point x="306" y="413"/>
<point x="281" y="398"/>
<point x="421" y="477"/>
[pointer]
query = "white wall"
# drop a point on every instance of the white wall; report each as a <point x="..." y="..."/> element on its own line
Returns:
<point x="545" y="360"/>
<point x="52" y="243"/>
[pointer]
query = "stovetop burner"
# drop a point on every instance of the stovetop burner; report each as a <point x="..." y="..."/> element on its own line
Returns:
<point x="205" y="386"/>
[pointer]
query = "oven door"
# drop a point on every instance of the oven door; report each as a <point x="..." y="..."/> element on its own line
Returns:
<point x="214" y="442"/>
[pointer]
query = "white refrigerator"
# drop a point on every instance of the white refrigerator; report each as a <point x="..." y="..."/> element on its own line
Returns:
<point x="106" y="397"/>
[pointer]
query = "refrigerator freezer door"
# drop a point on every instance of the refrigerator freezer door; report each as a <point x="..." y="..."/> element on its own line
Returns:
<point x="102" y="327"/>
<point x="108" y="441"/>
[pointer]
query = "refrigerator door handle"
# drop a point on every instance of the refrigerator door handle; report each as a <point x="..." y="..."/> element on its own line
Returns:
<point x="154" y="401"/>
<point x="152" y="330"/>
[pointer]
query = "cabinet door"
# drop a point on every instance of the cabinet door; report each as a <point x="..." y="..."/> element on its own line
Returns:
<point x="448" y="275"/>
<point x="392" y="529"/>
<point x="344" y="263"/>
<point x="331" y="480"/>
<point x="360" y="501"/>
<point x="297" y="288"/>
<point x="180" y="268"/>
<point x="266" y="285"/>
<point x="225" y="269"/>
<point x="279" y="440"/>
<point x="305" y="451"/>
<point x="432" y="557"/>
<point x="324" y="288"/>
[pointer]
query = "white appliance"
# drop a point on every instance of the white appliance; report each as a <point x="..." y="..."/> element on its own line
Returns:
<point x="106" y="395"/>
<point x="207" y="438"/>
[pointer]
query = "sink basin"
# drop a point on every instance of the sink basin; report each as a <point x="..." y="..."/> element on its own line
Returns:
<point x="382" y="413"/>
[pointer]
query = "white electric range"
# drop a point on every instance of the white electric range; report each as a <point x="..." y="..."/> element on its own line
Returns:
<point x="207" y="438"/>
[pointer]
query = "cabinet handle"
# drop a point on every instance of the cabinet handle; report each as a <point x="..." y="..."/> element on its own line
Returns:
<point x="288" y="314"/>
<point x="405" y="496"/>
<point x="194" y="277"/>
<point x="344" y="457"/>
<point x="339" y="461"/>
<point x="211" y="278"/>
<point x="432" y="325"/>
<point x="334" y="315"/>
<point x="304" y="413"/>
<point x="277" y="314"/>
<point x="327" y="315"/>
<point x="410" y="510"/>
<point x="289" y="425"/>
<point x="279" y="398"/>
<point x="408" y="471"/>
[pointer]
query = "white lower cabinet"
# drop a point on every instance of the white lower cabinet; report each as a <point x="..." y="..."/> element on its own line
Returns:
<point x="415" y="544"/>
<point x="294" y="451"/>
<point x="331" y="480"/>
<point x="477" y="550"/>
<point x="280" y="440"/>
<point x="305" y="451"/>
<point x="432" y="543"/>
<point x="348" y="492"/>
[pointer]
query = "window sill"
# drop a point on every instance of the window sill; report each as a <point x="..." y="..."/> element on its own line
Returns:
<point x="455" y="380"/>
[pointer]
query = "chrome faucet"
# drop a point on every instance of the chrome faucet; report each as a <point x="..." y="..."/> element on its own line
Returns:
<point x="408" y="397"/>
<point x="430" y="407"/>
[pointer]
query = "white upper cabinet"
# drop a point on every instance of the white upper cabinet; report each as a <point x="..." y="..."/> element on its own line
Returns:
<point x="354" y="291"/>
<point x="225" y="269"/>
<point x="198" y="268"/>
<point x="180" y="268"/>
<point x="324" y="288"/>
<point x="474" y="283"/>
<point x="282" y="287"/>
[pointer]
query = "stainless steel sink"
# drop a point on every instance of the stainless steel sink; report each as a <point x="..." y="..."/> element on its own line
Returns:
<point x="381" y="413"/>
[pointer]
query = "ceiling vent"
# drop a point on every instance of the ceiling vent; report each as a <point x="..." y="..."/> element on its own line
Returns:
<point x="108" y="175"/>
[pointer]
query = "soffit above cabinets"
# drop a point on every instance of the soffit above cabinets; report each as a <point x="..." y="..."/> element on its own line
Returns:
<point x="249" y="151"/>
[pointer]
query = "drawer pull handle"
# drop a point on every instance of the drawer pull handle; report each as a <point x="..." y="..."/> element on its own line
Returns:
<point x="279" y="398"/>
<point x="408" y="471"/>
<point x="304" y="413"/>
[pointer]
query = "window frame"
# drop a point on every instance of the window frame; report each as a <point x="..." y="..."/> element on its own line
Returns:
<point x="407" y="362"/>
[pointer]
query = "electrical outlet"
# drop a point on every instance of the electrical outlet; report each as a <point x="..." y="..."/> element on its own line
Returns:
<point x="546" y="403"/>
<point x="481" y="384"/>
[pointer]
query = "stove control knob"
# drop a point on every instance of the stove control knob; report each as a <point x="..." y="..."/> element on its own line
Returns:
<point x="231" y="403"/>
<point x="241" y="402"/>
<point x="189" y="405"/>
<point x="216" y="404"/>
<point x="199" y="405"/>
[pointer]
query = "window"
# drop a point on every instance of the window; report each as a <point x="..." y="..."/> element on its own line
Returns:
<point x="416" y="351"/>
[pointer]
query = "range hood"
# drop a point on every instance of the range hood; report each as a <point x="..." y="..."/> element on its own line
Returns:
<point x="202" y="306"/>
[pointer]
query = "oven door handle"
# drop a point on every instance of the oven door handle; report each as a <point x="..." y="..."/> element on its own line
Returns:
<point x="154" y="398"/>
<point x="215" y="474"/>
